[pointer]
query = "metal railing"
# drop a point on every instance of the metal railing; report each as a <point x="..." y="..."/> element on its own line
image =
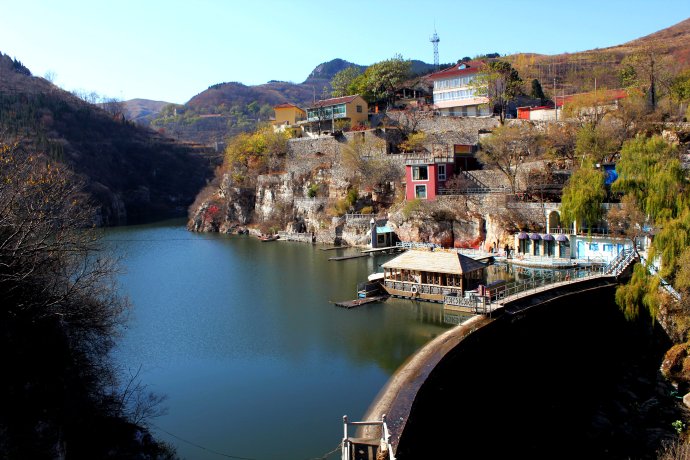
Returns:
<point x="523" y="288"/>
<point x="473" y="190"/>
<point x="620" y="262"/>
<point x="348" y="444"/>
<point x="664" y="284"/>
<point x="359" y="217"/>
<point x="413" y="245"/>
<point x="542" y="283"/>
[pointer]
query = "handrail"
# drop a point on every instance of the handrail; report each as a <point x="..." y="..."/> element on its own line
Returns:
<point x="385" y="436"/>
<point x="473" y="190"/>
<point x="664" y="284"/>
<point x="519" y="289"/>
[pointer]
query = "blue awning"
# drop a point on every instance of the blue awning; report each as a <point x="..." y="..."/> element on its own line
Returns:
<point x="384" y="229"/>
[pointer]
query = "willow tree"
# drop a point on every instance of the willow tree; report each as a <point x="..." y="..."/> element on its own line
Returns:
<point x="583" y="196"/>
<point x="650" y="170"/>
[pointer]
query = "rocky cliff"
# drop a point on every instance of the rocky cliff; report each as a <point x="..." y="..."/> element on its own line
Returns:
<point x="311" y="195"/>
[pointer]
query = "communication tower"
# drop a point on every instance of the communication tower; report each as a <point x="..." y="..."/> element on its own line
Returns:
<point x="434" y="39"/>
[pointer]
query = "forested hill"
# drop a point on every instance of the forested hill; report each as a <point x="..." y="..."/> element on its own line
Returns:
<point x="225" y="109"/>
<point x="613" y="67"/>
<point x="132" y="173"/>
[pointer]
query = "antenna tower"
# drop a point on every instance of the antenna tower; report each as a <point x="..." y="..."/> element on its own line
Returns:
<point x="434" y="39"/>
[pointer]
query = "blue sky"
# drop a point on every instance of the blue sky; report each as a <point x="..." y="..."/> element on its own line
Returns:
<point x="171" y="50"/>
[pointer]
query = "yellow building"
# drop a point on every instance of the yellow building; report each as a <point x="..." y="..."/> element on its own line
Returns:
<point x="288" y="114"/>
<point x="326" y="114"/>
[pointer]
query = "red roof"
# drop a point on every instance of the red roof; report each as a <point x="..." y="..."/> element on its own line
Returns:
<point x="287" y="105"/>
<point x="334" y="101"/>
<point x="463" y="68"/>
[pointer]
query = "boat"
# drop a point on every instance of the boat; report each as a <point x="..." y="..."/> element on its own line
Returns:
<point x="431" y="275"/>
<point x="265" y="238"/>
<point x="372" y="287"/>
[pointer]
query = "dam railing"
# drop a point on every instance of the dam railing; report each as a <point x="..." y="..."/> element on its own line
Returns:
<point x="366" y="448"/>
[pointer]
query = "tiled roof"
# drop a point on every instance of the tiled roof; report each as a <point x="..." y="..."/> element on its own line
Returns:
<point x="463" y="68"/>
<point x="435" y="261"/>
<point x="334" y="101"/>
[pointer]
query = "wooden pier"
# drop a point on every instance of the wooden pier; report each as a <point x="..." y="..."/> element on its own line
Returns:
<point x="354" y="256"/>
<point x="386" y="249"/>
<point x="333" y="248"/>
<point x="361" y="301"/>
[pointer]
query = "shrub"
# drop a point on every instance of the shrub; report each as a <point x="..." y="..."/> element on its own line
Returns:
<point x="411" y="207"/>
<point x="352" y="196"/>
<point x="313" y="190"/>
<point x="367" y="210"/>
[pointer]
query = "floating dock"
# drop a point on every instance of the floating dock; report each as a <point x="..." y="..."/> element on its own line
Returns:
<point x="386" y="249"/>
<point x="354" y="256"/>
<point x="333" y="248"/>
<point x="361" y="301"/>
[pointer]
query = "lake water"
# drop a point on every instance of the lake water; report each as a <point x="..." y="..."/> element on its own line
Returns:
<point x="242" y="338"/>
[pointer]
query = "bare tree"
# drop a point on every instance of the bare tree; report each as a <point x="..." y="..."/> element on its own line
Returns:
<point x="508" y="147"/>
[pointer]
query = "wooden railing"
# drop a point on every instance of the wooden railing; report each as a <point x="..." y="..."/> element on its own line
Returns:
<point x="431" y="289"/>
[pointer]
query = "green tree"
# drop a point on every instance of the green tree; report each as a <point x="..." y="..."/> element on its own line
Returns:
<point x="537" y="92"/>
<point x="380" y="81"/>
<point x="582" y="198"/>
<point x="680" y="89"/>
<point x="342" y="82"/>
<point x="500" y="83"/>
<point x="597" y="143"/>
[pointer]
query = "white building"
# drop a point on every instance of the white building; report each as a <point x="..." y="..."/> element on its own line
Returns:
<point x="454" y="94"/>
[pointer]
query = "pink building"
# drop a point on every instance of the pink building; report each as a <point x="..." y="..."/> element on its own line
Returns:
<point x="426" y="174"/>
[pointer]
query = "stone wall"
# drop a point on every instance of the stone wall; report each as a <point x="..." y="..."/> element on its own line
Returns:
<point x="465" y="128"/>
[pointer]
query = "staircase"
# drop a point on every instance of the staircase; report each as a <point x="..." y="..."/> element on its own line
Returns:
<point x="621" y="262"/>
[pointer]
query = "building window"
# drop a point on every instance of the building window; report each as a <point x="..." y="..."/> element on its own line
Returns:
<point x="441" y="172"/>
<point x="420" y="191"/>
<point x="359" y="109"/>
<point x="420" y="173"/>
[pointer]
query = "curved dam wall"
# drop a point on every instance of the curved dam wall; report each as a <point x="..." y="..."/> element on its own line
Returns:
<point x="558" y="374"/>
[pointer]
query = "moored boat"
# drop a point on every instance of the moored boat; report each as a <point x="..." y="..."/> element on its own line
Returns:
<point x="268" y="237"/>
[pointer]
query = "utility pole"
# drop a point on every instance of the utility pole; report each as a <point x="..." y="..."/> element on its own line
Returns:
<point x="555" y="106"/>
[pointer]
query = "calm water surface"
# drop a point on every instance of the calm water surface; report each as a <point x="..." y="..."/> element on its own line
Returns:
<point x="242" y="338"/>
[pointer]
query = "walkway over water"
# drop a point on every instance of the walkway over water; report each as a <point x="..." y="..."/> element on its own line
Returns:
<point x="396" y="399"/>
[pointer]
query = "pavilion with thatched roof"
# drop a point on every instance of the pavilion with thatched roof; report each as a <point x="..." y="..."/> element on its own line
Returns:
<point x="430" y="275"/>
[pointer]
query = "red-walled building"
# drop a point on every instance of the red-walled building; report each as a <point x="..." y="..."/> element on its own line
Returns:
<point x="426" y="174"/>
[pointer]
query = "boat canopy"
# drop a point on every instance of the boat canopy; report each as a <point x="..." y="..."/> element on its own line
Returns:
<point x="375" y="277"/>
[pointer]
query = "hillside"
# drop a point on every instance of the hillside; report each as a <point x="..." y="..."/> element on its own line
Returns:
<point x="142" y="111"/>
<point x="226" y="109"/>
<point x="575" y="72"/>
<point x="131" y="172"/>
<point x="229" y="108"/>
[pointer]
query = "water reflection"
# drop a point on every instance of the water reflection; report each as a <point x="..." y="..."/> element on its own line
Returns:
<point x="242" y="336"/>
